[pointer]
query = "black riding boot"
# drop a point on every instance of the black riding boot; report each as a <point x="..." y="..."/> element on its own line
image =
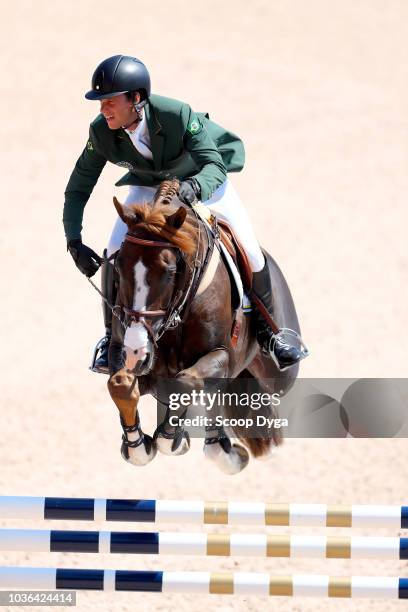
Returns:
<point x="283" y="353"/>
<point x="100" y="361"/>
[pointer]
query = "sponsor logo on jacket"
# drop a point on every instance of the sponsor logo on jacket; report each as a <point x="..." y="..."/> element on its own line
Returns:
<point x="125" y="164"/>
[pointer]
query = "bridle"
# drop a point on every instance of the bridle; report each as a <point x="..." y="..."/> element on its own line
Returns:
<point x="177" y="309"/>
<point x="172" y="311"/>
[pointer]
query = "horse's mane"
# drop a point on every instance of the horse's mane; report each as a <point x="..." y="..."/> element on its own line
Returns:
<point x="152" y="220"/>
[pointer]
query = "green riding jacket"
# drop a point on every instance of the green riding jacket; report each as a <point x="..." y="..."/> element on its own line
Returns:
<point x="183" y="143"/>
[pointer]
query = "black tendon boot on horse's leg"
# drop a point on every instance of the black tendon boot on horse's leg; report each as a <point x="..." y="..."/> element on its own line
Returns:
<point x="283" y="353"/>
<point x="100" y="362"/>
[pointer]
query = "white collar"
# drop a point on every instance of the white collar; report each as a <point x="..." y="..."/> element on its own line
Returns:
<point x="140" y="128"/>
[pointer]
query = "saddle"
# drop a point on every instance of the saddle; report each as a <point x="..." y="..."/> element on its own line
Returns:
<point x="222" y="231"/>
<point x="237" y="252"/>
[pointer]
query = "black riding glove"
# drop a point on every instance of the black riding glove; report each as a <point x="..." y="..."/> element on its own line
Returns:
<point x="85" y="258"/>
<point x="189" y="191"/>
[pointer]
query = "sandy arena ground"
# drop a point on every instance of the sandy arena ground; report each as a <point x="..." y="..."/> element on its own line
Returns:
<point x="318" y="92"/>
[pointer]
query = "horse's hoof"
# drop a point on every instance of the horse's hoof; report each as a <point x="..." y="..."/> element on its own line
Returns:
<point x="142" y="454"/>
<point x="230" y="463"/>
<point x="179" y="445"/>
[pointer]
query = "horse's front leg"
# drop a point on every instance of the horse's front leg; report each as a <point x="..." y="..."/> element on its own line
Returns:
<point x="229" y="458"/>
<point x="172" y="439"/>
<point x="137" y="447"/>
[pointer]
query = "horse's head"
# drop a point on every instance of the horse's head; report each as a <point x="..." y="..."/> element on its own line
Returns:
<point x="150" y="263"/>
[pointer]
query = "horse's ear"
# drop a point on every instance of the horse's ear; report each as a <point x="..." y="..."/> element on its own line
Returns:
<point x="177" y="219"/>
<point x="123" y="211"/>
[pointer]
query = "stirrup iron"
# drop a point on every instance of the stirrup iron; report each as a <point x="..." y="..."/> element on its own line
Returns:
<point x="96" y="354"/>
<point x="294" y="339"/>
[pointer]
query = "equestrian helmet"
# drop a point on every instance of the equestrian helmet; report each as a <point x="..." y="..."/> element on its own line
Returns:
<point x="117" y="75"/>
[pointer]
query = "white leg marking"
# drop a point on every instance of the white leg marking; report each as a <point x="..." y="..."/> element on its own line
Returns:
<point x="138" y="455"/>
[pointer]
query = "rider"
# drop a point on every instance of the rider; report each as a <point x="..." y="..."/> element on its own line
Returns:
<point x="157" y="138"/>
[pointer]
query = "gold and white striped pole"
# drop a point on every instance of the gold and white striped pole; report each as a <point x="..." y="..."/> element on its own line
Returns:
<point x="258" y="584"/>
<point x="207" y="544"/>
<point x="201" y="512"/>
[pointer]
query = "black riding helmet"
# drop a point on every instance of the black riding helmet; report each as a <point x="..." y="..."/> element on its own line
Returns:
<point x="117" y="75"/>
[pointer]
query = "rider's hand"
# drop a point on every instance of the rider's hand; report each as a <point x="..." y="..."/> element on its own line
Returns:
<point x="189" y="191"/>
<point x="85" y="258"/>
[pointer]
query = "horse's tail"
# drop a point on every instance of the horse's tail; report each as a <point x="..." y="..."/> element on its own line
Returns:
<point x="260" y="437"/>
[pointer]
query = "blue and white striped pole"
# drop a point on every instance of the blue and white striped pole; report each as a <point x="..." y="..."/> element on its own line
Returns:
<point x="201" y="512"/>
<point x="209" y="544"/>
<point x="204" y="582"/>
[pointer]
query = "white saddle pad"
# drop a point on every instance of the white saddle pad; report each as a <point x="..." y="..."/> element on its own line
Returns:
<point x="205" y="215"/>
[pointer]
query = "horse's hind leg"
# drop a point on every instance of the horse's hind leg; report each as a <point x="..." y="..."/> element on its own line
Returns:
<point x="137" y="447"/>
<point x="229" y="458"/>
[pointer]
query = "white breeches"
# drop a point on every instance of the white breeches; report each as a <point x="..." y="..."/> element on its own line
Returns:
<point x="224" y="202"/>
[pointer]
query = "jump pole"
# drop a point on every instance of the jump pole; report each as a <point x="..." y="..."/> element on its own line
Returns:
<point x="201" y="512"/>
<point x="259" y="584"/>
<point x="207" y="544"/>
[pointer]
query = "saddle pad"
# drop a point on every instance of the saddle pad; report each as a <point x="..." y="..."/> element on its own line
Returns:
<point x="206" y="215"/>
<point x="244" y="302"/>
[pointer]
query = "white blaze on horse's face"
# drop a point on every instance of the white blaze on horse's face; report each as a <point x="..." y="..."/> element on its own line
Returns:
<point x="136" y="337"/>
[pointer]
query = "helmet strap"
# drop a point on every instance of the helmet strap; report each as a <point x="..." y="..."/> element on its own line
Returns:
<point x="138" y="108"/>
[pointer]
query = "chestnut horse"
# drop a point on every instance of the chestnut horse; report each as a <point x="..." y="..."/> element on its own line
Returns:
<point x="176" y="315"/>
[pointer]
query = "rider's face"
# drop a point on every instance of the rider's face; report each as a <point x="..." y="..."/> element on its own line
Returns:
<point x="117" y="111"/>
